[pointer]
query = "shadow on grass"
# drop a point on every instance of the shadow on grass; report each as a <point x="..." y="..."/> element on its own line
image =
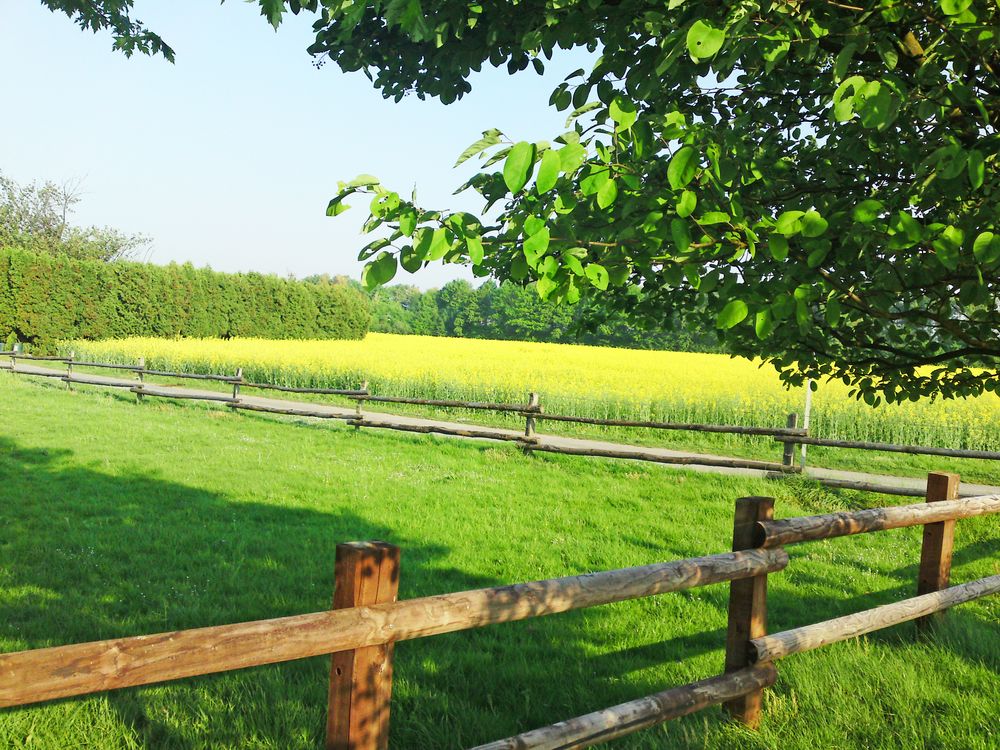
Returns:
<point x="86" y="555"/>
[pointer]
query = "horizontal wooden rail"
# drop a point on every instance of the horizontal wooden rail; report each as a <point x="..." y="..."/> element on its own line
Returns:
<point x="144" y="391"/>
<point x="291" y="389"/>
<point x="108" y="365"/>
<point x="626" y="718"/>
<point x="780" y="645"/>
<point x="192" y="376"/>
<point x="63" y="671"/>
<point x="732" y="429"/>
<point x="84" y="380"/>
<point x="39" y="374"/>
<point x="893" y="448"/>
<point x="771" y="534"/>
<point x="54" y="358"/>
<point x="882" y="489"/>
<point x="426" y="429"/>
<point x="516" y="408"/>
<point x="732" y="463"/>
<point x="289" y="411"/>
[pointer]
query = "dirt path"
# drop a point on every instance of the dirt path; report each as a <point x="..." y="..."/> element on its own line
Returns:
<point x="380" y="418"/>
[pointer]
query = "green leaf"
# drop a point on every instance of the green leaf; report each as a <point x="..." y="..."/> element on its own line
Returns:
<point x="703" y="41"/>
<point x="977" y="168"/>
<point x="571" y="157"/>
<point x="518" y="166"/>
<point x="790" y="223"/>
<point x="623" y="112"/>
<point x="490" y="138"/>
<point x="410" y="260"/>
<point x="682" y="167"/>
<point x="336" y="206"/>
<point x="813" y="225"/>
<point x="947" y="247"/>
<point x="954" y="7"/>
<point x="363" y="180"/>
<point x="439" y="245"/>
<point x="713" y="217"/>
<point x="536" y="245"/>
<point x="681" y="234"/>
<point x="686" y="204"/>
<point x="474" y="246"/>
<point x="763" y="324"/>
<point x="548" y="171"/>
<point x="732" y="314"/>
<point x="986" y="248"/>
<point x="408" y="222"/>
<point x="778" y="246"/>
<point x="598" y="275"/>
<point x="867" y="211"/>
<point x="380" y="271"/>
<point x="607" y="194"/>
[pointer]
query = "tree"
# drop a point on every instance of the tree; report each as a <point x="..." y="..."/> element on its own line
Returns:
<point x="816" y="179"/>
<point x="36" y="217"/>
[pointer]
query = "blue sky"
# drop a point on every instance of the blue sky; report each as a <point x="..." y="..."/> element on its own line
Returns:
<point x="228" y="157"/>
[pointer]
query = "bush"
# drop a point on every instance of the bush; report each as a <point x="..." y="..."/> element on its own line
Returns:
<point x="45" y="298"/>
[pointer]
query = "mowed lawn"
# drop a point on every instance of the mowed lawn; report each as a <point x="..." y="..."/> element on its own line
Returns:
<point x="120" y="519"/>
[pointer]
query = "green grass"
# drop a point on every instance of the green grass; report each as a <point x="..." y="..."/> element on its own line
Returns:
<point x="120" y="519"/>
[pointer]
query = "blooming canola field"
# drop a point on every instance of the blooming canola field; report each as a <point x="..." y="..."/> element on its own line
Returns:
<point x="582" y="380"/>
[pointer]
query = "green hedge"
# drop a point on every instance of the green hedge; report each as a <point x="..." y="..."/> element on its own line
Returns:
<point x="45" y="298"/>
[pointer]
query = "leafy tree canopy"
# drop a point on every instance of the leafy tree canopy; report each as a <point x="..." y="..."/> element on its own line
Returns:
<point x="817" y="179"/>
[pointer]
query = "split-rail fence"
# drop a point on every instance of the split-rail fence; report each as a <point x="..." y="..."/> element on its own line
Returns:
<point x="367" y="620"/>
<point x="532" y="412"/>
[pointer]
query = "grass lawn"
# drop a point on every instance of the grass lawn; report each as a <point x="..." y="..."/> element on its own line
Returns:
<point x="120" y="519"/>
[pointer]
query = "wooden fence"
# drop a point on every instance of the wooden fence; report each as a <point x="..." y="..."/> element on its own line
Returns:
<point x="367" y="620"/>
<point x="532" y="412"/>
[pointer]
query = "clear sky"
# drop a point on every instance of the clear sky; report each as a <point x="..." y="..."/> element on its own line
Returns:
<point x="228" y="157"/>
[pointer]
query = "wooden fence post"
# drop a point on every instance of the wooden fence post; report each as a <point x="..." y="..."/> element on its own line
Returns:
<point x="788" y="456"/>
<point x="236" y="386"/>
<point x="359" y="405"/>
<point x="69" y="371"/>
<point x="939" y="538"/>
<point x="529" y="420"/>
<point x="361" y="680"/>
<point x="747" y="606"/>
<point x="142" y="365"/>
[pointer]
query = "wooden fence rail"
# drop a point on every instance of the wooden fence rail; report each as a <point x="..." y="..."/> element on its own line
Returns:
<point x="366" y="620"/>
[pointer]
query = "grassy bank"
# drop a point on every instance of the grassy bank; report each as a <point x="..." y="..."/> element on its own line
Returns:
<point x="120" y="519"/>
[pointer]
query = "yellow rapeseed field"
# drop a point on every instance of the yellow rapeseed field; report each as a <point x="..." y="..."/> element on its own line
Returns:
<point x="584" y="380"/>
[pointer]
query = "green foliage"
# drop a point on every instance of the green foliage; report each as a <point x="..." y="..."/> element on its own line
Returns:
<point x="46" y="298"/>
<point x="36" y="217"/>
<point x="858" y="142"/>
<point x="512" y="312"/>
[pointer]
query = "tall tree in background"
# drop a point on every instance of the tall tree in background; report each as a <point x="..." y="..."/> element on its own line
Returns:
<point x="37" y="218"/>
<point x="818" y="179"/>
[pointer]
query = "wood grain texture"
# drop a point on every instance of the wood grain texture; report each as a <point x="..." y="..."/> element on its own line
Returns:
<point x="361" y="679"/>
<point x="520" y="408"/>
<point x="321" y="391"/>
<point x="62" y="671"/>
<point x="780" y="645"/>
<point x="922" y="450"/>
<point x="788" y="451"/>
<point x="747" y="607"/>
<point x="770" y="534"/>
<point x="626" y="718"/>
<point x="639" y="455"/>
<point x="938" y="542"/>
<point x="144" y="390"/>
<point x="290" y="411"/>
<point x="426" y="429"/>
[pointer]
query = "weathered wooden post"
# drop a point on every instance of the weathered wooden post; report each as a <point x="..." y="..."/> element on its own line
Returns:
<point x="142" y="366"/>
<point x="788" y="456"/>
<point x="939" y="538"/>
<point x="529" y="419"/>
<point x="236" y="385"/>
<point x="69" y="371"/>
<point x="361" y="680"/>
<point x="359" y="405"/>
<point x="747" y="606"/>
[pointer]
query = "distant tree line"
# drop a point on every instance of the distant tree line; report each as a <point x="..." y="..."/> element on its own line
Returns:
<point x="45" y="297"/>
<point x="514" y="312"/>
